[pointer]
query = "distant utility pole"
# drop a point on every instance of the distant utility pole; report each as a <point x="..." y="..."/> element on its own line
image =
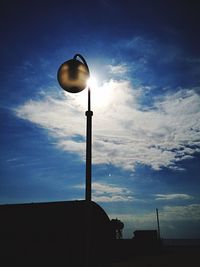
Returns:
<point x="158" y="224"/>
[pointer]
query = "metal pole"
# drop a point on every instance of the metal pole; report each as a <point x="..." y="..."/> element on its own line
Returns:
<point x="88" y="113"/>
<point x="88" y="177"/>
<point x="158" y="224"/>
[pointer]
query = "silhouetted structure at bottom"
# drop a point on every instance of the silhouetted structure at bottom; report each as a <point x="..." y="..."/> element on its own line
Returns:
<point x="117" y="227"/>
<point x="54" y="233"/>
<point x="146" y="237"/>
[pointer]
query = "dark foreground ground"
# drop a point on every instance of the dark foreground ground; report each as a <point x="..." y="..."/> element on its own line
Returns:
<point x="171" y="256"/>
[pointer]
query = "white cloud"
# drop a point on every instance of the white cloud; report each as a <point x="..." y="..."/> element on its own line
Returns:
<point x="112" y="199"/>
<point x="124" y="134"/>
<point x="103" y="192"/>
<point x="173" y="197"/>
<point x="100" y="188"/>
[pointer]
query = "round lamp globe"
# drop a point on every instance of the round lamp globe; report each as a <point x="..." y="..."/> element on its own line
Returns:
<point x="73" y="76"/>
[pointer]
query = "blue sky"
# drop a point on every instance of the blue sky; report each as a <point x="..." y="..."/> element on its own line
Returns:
<point x="145" y="58"/>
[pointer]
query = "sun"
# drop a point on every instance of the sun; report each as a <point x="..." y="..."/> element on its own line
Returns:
<point x="92" y="82"/>
<point x="101" y="94"/>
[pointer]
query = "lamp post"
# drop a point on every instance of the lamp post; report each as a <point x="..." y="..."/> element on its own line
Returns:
<point x="72" y="77"/>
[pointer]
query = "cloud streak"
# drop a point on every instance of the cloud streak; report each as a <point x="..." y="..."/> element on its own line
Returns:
<point x="173" y="197"/>
<point x="103" y="192"/>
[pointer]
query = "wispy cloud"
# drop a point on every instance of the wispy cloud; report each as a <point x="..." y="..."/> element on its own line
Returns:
<point x="125" y="133"/>
<point x="103" y="192"/>
<point x="151" y="57"/>
<point x="166" y="214"/>
<point x="146" y="49"/>
<point x="186" y="212"/>
<point x="173" y="197"/>
<point x="171" y="217"/>
<point x="117" y="69"/>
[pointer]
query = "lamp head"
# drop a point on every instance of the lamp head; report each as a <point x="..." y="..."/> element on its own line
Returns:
<point x="73" y="75"/>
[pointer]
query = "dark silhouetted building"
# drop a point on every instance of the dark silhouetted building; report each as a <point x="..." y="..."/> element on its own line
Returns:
<point x="54" y="233"/>
<point x="146" y="238"/>
<point x="145" y="235"/>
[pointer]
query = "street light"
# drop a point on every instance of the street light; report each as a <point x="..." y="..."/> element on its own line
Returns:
<point x="72" y="77"/>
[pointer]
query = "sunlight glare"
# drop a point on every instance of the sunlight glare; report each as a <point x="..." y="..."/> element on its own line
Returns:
<point x="100" y="95"/>
<point x="92" y="82"/>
